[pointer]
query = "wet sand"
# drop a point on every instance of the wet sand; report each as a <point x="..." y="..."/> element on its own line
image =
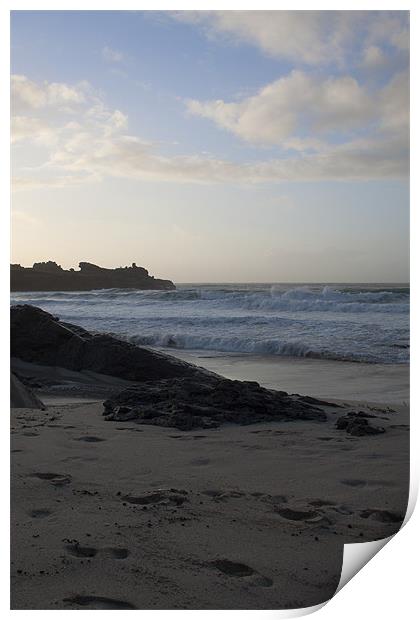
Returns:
<point x="319" y="378"/>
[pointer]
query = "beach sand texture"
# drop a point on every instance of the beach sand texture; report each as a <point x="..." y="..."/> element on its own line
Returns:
<point x="114" y="514"/>
<point x="120" y="515"/>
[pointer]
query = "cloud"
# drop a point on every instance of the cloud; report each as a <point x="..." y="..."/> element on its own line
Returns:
<point x="391" y="27"/>
<point x="94" y="143"/>
<point x="373" y="57"/>
<point x="282" y="108"/>
<point x="29" y="128"/>
<point x="111" y="55"/>
<point x="305" y="37"/>
<point x="28" y="94"/>
<point x="394" y="104"/>
<point x="302" y="112"/>
<point x="52" y="181"/>
<point x="357" y="161"/>
<point x="23" y="217"/>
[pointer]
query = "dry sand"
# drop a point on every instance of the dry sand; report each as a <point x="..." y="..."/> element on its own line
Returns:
<point x="117" y="515"/>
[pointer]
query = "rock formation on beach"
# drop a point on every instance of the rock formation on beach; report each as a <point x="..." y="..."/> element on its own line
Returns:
<point x="206" y="402"/>
<point x="167" y="391"/>
<point x="357" y="424"/>
<point x="22" y="396"/>
<point x="39" y="337"/>
<point x="49" y="276"/>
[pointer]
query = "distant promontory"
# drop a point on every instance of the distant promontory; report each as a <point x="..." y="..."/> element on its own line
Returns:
<point x="49" y="276"/>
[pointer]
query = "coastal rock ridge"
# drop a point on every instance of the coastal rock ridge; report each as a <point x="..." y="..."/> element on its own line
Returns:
<point x="49" y="276"/>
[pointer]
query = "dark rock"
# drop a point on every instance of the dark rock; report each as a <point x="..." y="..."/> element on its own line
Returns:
<point x="205" y="402"/>
<point x="318" y="402"/>
<point x="171" y="392"/>
<point x="49" y="276"/>
<point x="358" y="425"/>
<point x="21" y="396"/>
<point x="38" y="337"/>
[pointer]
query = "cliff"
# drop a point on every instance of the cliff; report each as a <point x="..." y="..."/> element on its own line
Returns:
<point x="49" y="276"/>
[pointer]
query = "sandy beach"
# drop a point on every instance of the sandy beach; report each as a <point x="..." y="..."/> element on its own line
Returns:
<point x="142" y="481"/>
<point x="209" y="304"/>
<point x="110" y="515"/>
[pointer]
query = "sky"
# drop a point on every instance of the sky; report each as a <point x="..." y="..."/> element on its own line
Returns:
<point x="213" y="146"/>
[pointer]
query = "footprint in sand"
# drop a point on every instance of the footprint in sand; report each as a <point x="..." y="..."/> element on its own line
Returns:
<point x="384" y="516"/>
<point x="79" y="551"/>
<point x="343" y="510"/>
<point x="354" y="482"/>
<point x="277" y="499"/>
<point x="320" y="503"/>
<point x="186" y="437"/>
<point x="370" y="483"/>
<point x="237" y="569"/>
<point x="55" y="479"/>
<point x="233" y="569"/>
<point x="162" y="496"/>
<point x="117" y="553"/>
<point x="98" y="602"/>
<point x="89" y="439"/>
<point x="297" y="515"/>
<point x="39" y="513"/>
<point x="219" y="495"/>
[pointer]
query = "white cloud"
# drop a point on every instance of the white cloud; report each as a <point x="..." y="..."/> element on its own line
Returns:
<point x="281" y="109"/>
<point x="111" y="55"/>
<point x="29" y="128"/>
<point x="394" y="107"/>
<point x="305" y="37"/>
<point x="300" y="111"/>
<point x="28" y="94"/>
<point x="93" y="144"/>
<point x="373" y="57"/>
<point x="392" y="28"/>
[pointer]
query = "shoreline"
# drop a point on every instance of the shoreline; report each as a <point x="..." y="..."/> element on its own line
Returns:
<point x="200" y="492"/>
<point x="331" y="379"/>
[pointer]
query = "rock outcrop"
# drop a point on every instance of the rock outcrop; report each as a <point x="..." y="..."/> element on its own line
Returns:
<point x="168" y="391"/>
<point x="38" y="337"/>
<point x="206" y="402"/>
<point x="21" y="396"/>
<point x="49" y="276"/>
<point x="357" y="424"/>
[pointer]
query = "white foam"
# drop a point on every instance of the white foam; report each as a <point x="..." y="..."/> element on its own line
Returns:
<point x="350" y="323"/>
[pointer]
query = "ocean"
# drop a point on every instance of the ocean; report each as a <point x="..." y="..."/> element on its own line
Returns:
<point x="351" y="323"/>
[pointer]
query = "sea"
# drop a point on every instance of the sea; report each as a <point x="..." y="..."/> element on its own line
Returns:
<point x="350" y="323"/>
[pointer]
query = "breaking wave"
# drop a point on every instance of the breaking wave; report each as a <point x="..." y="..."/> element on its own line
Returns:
<point x="353" y="323"/>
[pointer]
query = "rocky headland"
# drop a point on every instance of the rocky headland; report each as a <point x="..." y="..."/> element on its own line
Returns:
<point x="49" y="276"/>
